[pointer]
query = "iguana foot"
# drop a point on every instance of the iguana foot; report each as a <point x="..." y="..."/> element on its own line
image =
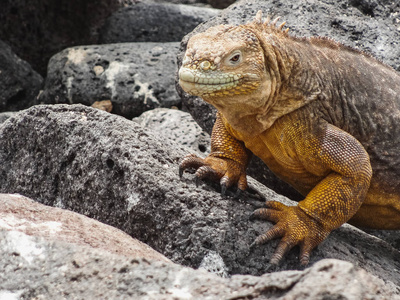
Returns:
<point x="228" y="172"/>
<point x="294" y="226"/>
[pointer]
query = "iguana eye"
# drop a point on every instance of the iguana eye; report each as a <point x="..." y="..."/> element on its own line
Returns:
<point x="235" y="57"/>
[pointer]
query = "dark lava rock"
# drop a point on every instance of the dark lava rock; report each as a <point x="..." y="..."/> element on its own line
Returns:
<point x="36" y="30"/>
<point x="153" y="22"/>
<point x="136" y="77"/>
<point x="20" y="84"/>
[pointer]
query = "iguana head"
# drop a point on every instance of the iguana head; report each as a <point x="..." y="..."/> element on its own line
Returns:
<point x="226" y="66"/>
<point x="223" y="61"/>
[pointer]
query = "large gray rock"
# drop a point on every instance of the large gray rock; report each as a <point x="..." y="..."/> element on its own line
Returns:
<point x="369" y="25"/>
<point x="20" y="84"/>
<point x="35" y="268"/>
<point x="22" y="214"/>
<point x="109" y="168"/>
<point x="153" y="22"/>
<point x="136" y="77"/>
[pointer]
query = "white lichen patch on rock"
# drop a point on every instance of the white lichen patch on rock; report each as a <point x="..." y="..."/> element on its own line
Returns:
<point x="10" y="295"/>
<point x="214" y="263"/>
<point x="98" y="70"/>
<point x="25" y="246"/>
<point x="133" y="200"/>
<point x="69" y="89"/>
<point x="76" y="55"/>
<point x="143" y="89"/>
<point x="10" y="222"/>
<point x="111" y="73"/>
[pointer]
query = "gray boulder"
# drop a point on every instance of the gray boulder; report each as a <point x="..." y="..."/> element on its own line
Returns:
<point x="108" y="168"/>
<point x="36" y="268"/>
<point x="178" y="126"/>
<point x="372" y="26"/>
<point x="20" y="84"/>
<point x="18" y="213"/>
<point x="153" y="22"/>
<point x="136" y="77"/>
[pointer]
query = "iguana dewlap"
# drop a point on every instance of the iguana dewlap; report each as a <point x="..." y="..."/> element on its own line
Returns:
<point x="324" y="117"/>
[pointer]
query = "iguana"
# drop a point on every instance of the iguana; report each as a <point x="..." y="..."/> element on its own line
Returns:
<point x="322" y="116"/>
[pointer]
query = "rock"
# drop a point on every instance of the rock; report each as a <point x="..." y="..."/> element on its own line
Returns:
<point x="6" y="115"/>
<point x="366" y="25"/>
<point x="212" y="3"/>
<point x="135" y="77"/>
<point x="35" y="268"/>
<point x="22" y="214"/>
<point x="220" y="3"/>
<point x="108" y="168"/>
<point x="177" y="126"/>
<point x="105" y="105"/>
<point x="36" y="30"/>
<point x="20" y="84"/>
<point x="153" y="22"/>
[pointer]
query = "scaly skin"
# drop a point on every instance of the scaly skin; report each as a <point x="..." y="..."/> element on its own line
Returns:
<point x="322" y="116"/>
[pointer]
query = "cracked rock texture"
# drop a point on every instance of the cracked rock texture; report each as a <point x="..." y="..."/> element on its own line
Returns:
<point x="131" y="75"/>
<point x="111" y="169"/>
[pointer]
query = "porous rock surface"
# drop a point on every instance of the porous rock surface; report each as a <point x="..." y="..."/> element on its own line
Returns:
<point x="176" y="125"/>
<point x="110" y="169"/>
<point x="22" y="214"/>
<point x="372" y="26"/>
<point x="153" y="22"/>
<point x="36" y="268"/>
<point x="20" y="84"/>
<point x="132" y="75"/>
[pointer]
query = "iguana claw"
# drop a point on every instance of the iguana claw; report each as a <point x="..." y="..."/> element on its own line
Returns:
<point x="294" y="227"/>
<point x="227" y="171"/>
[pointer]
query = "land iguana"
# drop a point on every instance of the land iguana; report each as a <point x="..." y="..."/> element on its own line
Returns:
<point x="323" y="116"/>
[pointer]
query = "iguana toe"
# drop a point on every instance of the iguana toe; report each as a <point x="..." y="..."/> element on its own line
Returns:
<point x="294" y="227"/>
<point x="228" y="172"/>
<point x="190" y="161"/>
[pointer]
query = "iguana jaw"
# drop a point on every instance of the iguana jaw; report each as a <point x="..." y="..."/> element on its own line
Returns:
<point x="216" y="83"/>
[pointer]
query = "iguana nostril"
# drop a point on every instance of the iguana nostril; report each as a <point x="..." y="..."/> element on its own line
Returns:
<point x="205" y="65"/>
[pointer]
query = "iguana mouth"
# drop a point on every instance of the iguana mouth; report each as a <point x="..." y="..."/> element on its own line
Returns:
<point x="217" y="78"/>
<point x="203" y="83"/>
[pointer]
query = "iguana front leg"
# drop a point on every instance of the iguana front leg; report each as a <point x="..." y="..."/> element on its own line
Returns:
<point x="332" y="202"/>
<point x="227" y="161"/>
